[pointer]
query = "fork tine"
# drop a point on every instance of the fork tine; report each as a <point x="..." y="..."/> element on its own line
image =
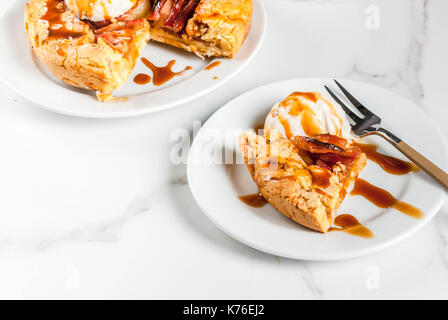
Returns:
<point x="354" y="101"/>
<point x="346" y="109"/>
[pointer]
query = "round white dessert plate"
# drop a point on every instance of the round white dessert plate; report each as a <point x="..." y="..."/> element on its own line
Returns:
<point x="21" y="70"/>
<point x="217" y="176"/>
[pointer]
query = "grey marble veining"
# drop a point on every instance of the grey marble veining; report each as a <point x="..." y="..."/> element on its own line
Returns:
<point x="103" y="232"/>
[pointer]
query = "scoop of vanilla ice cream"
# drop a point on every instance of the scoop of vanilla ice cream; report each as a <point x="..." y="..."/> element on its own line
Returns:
<point x="308" y="114"/>
<point x="99" y="10"/>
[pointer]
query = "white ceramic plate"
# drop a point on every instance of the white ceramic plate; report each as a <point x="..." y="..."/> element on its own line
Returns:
<point x="20" y="69"/>
<point x="216" y="187"/>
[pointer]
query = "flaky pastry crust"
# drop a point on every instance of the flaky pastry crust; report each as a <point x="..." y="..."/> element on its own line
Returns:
<point x="82" y="61"/>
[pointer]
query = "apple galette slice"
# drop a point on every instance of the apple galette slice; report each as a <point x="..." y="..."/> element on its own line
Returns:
<point x="306" y="179"/>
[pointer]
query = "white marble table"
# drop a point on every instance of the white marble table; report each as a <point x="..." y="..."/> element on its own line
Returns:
<point x="95" y="209"/>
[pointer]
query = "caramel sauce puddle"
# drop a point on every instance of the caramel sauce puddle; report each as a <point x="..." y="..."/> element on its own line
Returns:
<point x="142" y="79"/>
<point x="162" y="75"/>
<point x="383" y="199"/>
<point x="349" y="224"/>
<point x="255" y="200"/>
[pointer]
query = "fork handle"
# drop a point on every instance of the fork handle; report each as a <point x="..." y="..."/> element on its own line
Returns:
<point x="424" y="164"/>
<point x="416" y="157"/>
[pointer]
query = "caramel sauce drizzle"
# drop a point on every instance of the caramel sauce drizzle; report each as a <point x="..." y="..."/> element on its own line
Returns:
<point x="212" y="65"/>
<point x="349" y="224"/>
<point x="286" y="127"/>
<point x="336" y="114"/>
<point x="255" y="200"/>
<point x="387" y="163"/>
<point x="323" y="193"/>
<point x="321" y="177"/>
<point x="162" y="75"/>
<point x="57" y="26"/>
<point x="383" y="199"/>
<point x="309" y="123"/>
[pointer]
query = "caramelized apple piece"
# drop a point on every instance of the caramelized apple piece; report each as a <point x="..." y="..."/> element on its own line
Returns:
<point x="119" y="26"/>
<point x="156" y="8"/>
<point x="326" y="150"/>
<point x="323" y="164"/>
<point x="315" y="146"/>
<point x="95" y="25"/>
<point x="166" y="11"/>
<point x="175" y="12"/>
<point x="331" y="139"/>
<point x="332" y="159"/>
<point x="181" y="20"/>
<point x="346" y="157"/>
<point x="306" y="157"/>
<point x="119" y="32"/>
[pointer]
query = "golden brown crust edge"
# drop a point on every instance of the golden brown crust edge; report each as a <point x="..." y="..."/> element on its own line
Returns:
<point x="81" y="62"/>
<point x="218" y="28"/>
